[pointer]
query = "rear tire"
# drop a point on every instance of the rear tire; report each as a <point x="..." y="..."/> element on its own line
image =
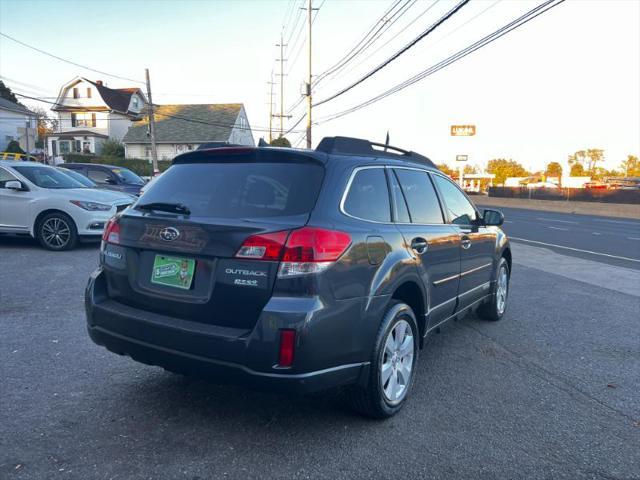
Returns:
<point x="493" y="310"/>
<point x="57" y="231"/>
<point x="392" y="368"/>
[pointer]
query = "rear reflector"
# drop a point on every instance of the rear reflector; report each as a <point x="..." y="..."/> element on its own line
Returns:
<point x="287" y="348"/>
<point x="111" y="232"/>
<point x="306" y="250"/>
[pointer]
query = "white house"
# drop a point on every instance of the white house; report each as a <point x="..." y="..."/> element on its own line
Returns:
<point x="90" y="112"/>
<point x="17" y="122"/>
<point x="180" y="128"/>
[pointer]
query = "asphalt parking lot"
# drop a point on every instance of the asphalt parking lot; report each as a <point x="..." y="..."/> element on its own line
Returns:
<point x="552" y="391"/>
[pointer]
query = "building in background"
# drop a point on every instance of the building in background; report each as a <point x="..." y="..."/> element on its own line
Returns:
<point x="90" y="112"/>
<point x="19" y="123"/>
<point x="181" y="128"/>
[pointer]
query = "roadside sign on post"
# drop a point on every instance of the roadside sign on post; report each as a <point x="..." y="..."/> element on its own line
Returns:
<point x="463" y="130"/>
<point x="462" y="158"/>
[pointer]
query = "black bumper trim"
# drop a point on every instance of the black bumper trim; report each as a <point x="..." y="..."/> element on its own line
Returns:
<point x="171" y="360"/>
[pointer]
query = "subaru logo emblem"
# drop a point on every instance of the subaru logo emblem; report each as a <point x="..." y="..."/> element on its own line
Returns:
<point x="169" y="234"/>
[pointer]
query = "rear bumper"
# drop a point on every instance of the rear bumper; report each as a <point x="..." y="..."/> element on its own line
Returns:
<point x="220" y="354"/>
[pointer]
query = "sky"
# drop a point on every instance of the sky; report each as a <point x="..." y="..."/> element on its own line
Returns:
<point x="568" y="80"/>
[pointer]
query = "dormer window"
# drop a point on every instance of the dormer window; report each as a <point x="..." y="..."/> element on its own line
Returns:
<point x="76" y="93"/>
<point x="88" y="92"/>
<point x="134" y="102"/>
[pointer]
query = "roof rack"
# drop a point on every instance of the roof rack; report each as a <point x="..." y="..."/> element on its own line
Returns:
<point x="359" y="146"/>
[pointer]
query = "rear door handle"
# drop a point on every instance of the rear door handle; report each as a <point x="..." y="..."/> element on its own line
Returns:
<point x="419" y="245"/>
<point x="465" y="242"/>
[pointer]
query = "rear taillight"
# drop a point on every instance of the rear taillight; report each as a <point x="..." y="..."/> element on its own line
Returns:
<point x="287" y="348"/>
<point x="312" y="250"/>
<point x="263" y="247"/>
<point x="111" y="232"/>
<point x="306" y="250"/>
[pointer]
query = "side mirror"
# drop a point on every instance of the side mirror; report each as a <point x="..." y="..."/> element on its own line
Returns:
<point x="15" y="185"/>
<point x="110" y="181"/>
<point x="493" y="217"/>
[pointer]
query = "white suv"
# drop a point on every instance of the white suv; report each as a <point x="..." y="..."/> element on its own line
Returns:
<point x="51" y="206"/>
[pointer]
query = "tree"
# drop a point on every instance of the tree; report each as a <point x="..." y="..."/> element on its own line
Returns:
<point x="444" y="168"/>
<point x="6" y="93"/>
<point x="554" y="169"/>
<point x="113" y="148"/>
<point x="631" y="167"/>
<point x="503" y="168"/>
<point x="577" y="170"/>
<point x="468" y="169"/>
<point x="46" y="125"/>
<point x="281" y="142"/>
<point x="14" y="147"/>
<point x="587" y="158"/>
<point x="594" y="155"/>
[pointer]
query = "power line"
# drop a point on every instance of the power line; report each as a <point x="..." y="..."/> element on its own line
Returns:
<point x="415" y="19"/>
<point x="385" y="26"/>
<point x="346" y="57"/>
<point x="69" y="61"/>
<point x="403" y="50"/>
<point x="522" y="20"/>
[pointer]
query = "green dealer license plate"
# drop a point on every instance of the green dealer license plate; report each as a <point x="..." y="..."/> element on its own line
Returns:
<point x="173" y="271"/>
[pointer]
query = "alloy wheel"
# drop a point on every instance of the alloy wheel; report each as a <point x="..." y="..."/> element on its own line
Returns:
<point x="397" y="362"/>
<point x="501" y="292"/>
<point x="56" y="232"/>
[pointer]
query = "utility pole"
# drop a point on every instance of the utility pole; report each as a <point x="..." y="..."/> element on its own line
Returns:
<point x="26" y="137"/>
<point x="152" y="125"/>
<point x="271" y="83"/>
<point x="309" y="9"/>
<point x="281" y="115"/>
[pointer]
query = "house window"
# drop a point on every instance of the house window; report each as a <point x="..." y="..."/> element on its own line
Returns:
<point x="76" y="93"/>
<point x="147" y="152"/>
<point x="88" y="92"/>
<point x="84" y="119"/>
<point x="65" y="146"/>
<point x="78" y="146"/>
<point x="134" y="102"/>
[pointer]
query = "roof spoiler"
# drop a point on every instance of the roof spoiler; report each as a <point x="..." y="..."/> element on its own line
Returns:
<point x="359" y="146"/>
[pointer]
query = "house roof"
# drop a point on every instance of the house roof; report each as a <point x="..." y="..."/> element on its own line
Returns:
<point x="190" y="123"/>
<point x="117" y="99"/>
<point x="14" y="107"/>
<point x="78" y="133"/>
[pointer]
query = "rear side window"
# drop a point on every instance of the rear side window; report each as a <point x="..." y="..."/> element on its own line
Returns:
<point x="459" y="209"/>
<point x="99" y="175"/>
<point x="421" y="196"/>
<point x="368" y="196"/>
<point x="239" y="190"/>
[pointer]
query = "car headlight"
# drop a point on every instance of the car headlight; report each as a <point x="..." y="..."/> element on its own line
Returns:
<point x="92" y="206"/>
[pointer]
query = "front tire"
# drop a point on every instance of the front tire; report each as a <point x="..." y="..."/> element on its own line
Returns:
<point x="493" y="310"/>
<point x="392" y="367"/>
<point x="57" y="231"/>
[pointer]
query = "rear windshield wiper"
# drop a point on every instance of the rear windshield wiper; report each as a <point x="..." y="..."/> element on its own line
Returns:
<point x="165" y="207"/>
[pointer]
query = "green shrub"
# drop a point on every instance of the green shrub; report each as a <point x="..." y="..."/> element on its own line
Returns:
<point x="137" y="165"/>
<point x="14" y="147"/>
<point x="112" y="148"/>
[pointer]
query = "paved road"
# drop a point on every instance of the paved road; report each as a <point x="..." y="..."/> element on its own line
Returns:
<point x="550" y="392"/>
<point x="616" y="240"/>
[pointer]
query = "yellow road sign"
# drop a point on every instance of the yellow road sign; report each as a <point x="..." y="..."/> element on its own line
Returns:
<point x="463" y="130"/>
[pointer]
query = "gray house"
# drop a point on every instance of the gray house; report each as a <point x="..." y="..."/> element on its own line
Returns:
<point x="17" y="122"/>
<point x="180" y="128"/>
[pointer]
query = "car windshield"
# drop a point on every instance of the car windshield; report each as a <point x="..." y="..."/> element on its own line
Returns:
<point x="48" y="177"/>
<point x="88" y="183"/>
<point x="127" y="176"/>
